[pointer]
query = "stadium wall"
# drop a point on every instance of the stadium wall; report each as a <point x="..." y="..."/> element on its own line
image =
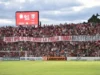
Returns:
<point x="83" y="58"/>
<point x="0" y="58"/>
<point x="31" y="58"/>
<point x="54" y="58"/>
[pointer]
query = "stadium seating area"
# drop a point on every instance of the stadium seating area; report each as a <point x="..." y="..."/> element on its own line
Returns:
<point x="64" y="48"/>
<point x="52" y="30"/>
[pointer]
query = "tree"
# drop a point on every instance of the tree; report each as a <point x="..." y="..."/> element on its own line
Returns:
<point x="94" y="19"/>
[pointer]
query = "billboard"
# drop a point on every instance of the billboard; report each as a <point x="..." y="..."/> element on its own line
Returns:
<point x="27" y="18"/>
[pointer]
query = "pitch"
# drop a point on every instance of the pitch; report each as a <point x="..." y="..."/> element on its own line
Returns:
<point x="49" y="68"/>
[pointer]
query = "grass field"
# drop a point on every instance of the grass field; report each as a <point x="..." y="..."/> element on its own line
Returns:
<point x="49" y="68"/>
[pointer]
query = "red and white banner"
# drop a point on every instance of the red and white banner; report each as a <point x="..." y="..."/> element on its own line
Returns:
<point x="50" y="39"/>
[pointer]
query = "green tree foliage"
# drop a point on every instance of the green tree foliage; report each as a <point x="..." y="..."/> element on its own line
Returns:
<point x="94" y="19"/>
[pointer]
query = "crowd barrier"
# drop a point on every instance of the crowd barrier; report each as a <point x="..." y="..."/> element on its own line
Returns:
<point x="51" y="58"/>
<point x="10" y="58"/>
<point x="83" y="58"/>
<point x="0" y="58"/>
<point x="31" y="58"/>
<point x="54" y="58"/>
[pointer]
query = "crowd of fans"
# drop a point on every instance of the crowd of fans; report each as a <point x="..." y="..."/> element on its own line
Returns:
<point x="52" y="30"/>
<point x="62" y="48"/>
<point x="55" y="49"/>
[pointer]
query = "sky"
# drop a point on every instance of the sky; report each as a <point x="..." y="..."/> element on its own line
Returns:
<point x="50" y="11"/>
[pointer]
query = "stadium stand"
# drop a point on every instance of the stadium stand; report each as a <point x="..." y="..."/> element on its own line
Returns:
<point x="61" y="48"/>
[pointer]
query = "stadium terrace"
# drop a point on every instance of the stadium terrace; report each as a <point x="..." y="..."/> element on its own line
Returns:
<point x="90" y="48"/>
